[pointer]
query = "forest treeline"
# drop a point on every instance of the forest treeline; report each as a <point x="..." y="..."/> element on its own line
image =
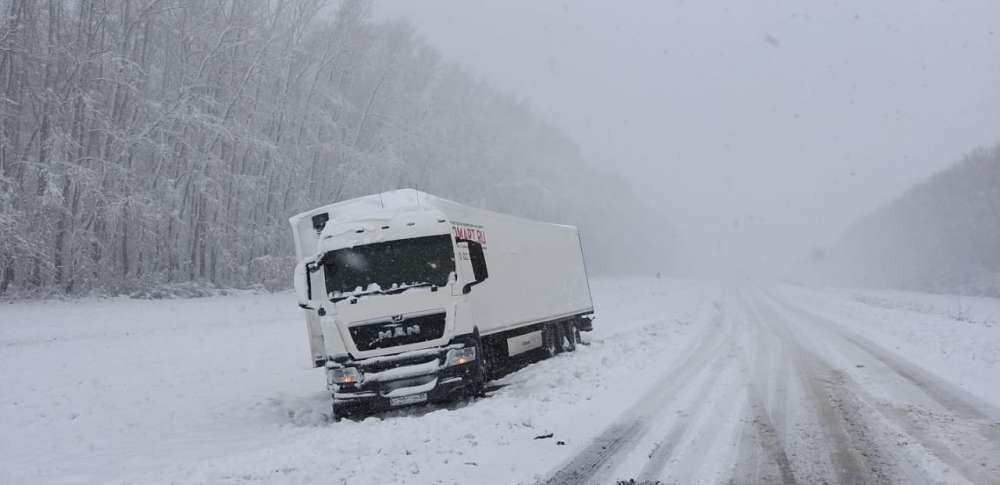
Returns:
<point x="145" y="142"/>
<point x="941" y="236"/>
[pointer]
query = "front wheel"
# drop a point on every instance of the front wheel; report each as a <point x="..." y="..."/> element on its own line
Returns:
<point x="480" y="376"/>
<point x="482" y="368"/>
<point x="338" y="412"/>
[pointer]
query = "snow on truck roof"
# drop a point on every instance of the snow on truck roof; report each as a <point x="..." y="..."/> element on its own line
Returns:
<point x="387" y="216"/>
<point x="382" y="226"/>
<point x="394" y="200"/>
<point x="396" y="214"/>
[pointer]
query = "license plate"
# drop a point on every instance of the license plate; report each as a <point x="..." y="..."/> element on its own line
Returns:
<point x="411" y="399"/>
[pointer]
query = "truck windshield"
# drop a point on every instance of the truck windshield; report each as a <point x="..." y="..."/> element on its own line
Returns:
<point x="392" y="265"/>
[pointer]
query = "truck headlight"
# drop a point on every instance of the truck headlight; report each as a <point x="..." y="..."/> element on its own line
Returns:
<point x="344" y="375"/>
<point x="461" y="356"/>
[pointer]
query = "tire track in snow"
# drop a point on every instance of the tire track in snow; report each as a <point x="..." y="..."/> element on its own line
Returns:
<point x="848" y="465"/>
<point x="947" y="395"/>
<point x="917" y="431"/>
<point x="975" y="458"/>
<point x="761" y="445"/>
<point x="660" y="455"/>
<point x="594" y="462"/>
<point x="806" y="420"/>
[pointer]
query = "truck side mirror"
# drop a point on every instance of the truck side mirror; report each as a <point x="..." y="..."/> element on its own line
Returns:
<point x="303" y="283"/>
<point x="478" y="259"/>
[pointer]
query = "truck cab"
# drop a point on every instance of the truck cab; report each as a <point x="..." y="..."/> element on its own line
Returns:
<point x="382" y="291"/>
<point x="411" y="298"/>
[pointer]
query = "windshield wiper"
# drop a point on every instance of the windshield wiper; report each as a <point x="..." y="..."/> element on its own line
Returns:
<point x="387" y="291"/>
<point x="335" y="299"/>
<point x="400" y="289"/>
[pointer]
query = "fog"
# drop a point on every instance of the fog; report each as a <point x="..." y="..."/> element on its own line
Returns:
<point x="761" y="129"/>
<point x="495" y="242"/>
<point x="773" y="140"/>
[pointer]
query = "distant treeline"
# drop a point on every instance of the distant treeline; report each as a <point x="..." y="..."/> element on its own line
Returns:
<point x="145" y="142"/>
<point x="941" y="236"/>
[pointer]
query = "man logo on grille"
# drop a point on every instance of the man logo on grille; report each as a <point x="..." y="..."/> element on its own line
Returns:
<point x="395" y="330"/>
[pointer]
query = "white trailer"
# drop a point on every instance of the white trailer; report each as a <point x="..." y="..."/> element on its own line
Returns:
<point x="410" y="297"/>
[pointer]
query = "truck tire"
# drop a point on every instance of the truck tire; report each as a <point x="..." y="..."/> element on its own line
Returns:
<point x="477" y="388"/>
<point x="552" y="339"/>
<point x="489" y="358"/>
<point x="569" y="336"/>
<point x="338" y="413"/>
<point x="481" y="375"/>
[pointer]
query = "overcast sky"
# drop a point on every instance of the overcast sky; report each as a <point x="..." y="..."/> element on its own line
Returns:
<point x="761" y="128"/>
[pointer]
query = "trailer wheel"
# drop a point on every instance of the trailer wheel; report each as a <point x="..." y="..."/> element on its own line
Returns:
<point x="552" y="338"/>
<point x="568" y="340"/>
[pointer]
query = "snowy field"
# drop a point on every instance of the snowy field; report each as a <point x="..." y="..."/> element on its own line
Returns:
<point x="682" y="382"/>
<point x="220" y="390"/>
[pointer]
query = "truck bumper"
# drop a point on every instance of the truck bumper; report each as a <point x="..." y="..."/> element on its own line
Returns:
<point x="403" y="379"/>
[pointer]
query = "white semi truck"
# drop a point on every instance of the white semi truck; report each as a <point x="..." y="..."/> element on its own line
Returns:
<point x="410" y="297"/>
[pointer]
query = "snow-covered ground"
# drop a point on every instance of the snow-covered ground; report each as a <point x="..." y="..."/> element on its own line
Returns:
<point x="220" y="389"/>
<point x="957" y="337"/>
<point x="682" y="382"/>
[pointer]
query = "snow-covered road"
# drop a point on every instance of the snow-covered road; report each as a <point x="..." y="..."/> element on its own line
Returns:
<point x="776" y="392"/>
<point x="682" y="382"/>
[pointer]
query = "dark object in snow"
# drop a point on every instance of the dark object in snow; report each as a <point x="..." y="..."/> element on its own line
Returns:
<point x="859" y="366"/>
<point x="543" y="436"/>
<point x="560" y="443"/>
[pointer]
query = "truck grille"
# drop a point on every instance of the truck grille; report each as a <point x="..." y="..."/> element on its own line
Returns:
<point x="392" y="333"/>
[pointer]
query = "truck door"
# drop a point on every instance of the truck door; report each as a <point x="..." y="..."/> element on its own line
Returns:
<point x="471" y="264"/>
<point x="463" y="265"/>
